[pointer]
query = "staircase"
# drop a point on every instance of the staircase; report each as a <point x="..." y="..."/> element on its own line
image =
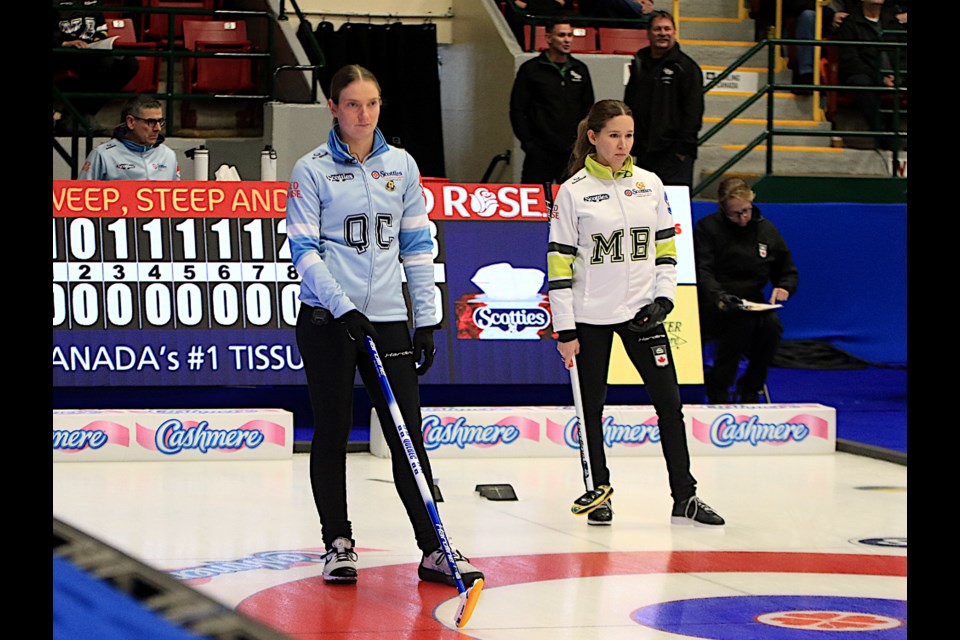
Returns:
<point x="716" y="33"/>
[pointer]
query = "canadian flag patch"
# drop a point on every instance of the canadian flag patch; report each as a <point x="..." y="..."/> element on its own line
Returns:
<point x="660" y="356"/>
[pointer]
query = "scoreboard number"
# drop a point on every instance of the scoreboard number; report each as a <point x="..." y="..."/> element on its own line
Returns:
<point x="164" y="273"/>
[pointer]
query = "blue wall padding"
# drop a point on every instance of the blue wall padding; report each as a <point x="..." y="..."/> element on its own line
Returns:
<point x="853" y="275"/>
<point x="86" y="607"/>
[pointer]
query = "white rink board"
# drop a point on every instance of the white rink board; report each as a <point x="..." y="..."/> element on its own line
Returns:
<point x="172" y="434"/>
<point x="712" y="430"/>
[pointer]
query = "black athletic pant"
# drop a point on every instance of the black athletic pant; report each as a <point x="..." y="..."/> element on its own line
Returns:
<point x="95" y="74"/>
<point x="644" y="351"/>
<point x="754" y="334"/>
<point x="330" y="360"/>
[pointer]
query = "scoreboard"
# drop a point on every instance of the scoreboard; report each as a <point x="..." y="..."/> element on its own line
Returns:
<point x="156" y="267"/>
<point x="191" y="283"/>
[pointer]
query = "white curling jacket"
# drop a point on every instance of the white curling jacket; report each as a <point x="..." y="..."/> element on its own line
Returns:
<point x="612" y="246"/>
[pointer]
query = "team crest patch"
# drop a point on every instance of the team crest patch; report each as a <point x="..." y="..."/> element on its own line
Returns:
<point x="660" y="355"/>
<point x="762" y="250"/>
<point x="391" y="186"/>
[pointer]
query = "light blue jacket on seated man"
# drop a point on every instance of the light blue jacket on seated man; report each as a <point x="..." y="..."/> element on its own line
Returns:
<point x="121" y="158"/>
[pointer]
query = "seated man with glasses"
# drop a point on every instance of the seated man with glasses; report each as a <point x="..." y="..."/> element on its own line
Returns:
<point x="136" y="150"/>
<point x="739" y="254"/>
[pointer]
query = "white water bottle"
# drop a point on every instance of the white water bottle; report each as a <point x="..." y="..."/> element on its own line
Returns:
<point x="201" y="163"/>
<point x="268" y="164"/>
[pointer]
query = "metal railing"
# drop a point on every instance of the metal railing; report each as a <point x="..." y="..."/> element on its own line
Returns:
<point x="170" y="55"/>
<point x="771" y="132"/>
<point x="315" y="52"/>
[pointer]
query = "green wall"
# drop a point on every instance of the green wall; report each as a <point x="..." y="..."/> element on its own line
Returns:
<point x="831" y="189"/>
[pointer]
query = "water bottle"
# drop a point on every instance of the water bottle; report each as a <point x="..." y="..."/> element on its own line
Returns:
<point x="268" y="164"/>
<point x="201" y="163"/>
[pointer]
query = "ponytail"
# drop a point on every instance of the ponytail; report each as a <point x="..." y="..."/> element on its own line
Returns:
<point x="580" y="149"/>
<point x="600" y="113"/>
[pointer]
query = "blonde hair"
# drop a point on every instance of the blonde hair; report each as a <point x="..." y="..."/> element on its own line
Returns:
<point x="600" y="113"/>
<point x="735" y="188"/>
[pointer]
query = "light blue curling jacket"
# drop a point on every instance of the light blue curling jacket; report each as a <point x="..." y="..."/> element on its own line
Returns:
<point x="355" y="228"/>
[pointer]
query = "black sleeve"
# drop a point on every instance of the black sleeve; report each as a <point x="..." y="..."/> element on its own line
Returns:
<point x="588" y="96"/>
<point x="851" y="61"/>
<point x="691" y="106"/>
<point x="519" y="107"/>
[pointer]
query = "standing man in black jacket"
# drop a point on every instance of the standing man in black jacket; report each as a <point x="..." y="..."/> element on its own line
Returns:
<point x="738" y="254"/>
<point x="665" y="92"/>
<point x="550" y="95"/>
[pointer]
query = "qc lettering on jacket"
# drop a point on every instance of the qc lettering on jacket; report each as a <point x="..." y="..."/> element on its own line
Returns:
<point x="351" y="224"/>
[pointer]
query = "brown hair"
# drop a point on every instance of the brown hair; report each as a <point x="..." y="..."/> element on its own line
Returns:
<point x="346" y="76"/>
<point x="600" y="113"/>
<point x="661" y="14"/>
<point x="734" y="188"/>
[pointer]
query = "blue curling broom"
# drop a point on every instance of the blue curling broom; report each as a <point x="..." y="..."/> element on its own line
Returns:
<point x="468" y="597"/>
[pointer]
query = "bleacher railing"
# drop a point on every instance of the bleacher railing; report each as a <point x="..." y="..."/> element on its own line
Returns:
<point x="531" y="21"/>
<point x="776" y="62"/>
<point x="315" y="53"/>
<point x="266" y="78"/>
<point x="768" y="91"/>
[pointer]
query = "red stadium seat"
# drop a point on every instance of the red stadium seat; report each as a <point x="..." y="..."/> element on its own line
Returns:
<point x="540" y="39"/>
<point x="622" y="41"/>
<point x="156" y="27"/>
<point x="147" y="79"/>
<point x="209" y="75"/>
<point x="584" y="40"/>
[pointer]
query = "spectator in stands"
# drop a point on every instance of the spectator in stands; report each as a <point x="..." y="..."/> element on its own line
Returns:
<point x="136" y="150"/>
<point x="518" y="22"/>
<point x="804" y="26"/>
<point x="629" y="9"/>
<point x="665" y="92"/>
<point x="76" y="27"/>
<point x="804" y="16"/>
<point x="839" y="9"/>
<point x="764" y="14"/>
<point x="843" y="8"/>
<point x="551" y="94"/>
<point x="872" y="66"/>
<point x="738" y="254"/>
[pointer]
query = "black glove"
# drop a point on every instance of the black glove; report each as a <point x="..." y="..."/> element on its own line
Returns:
<point x="358" y="327"/>
<point x="423" y="348"/>
<point x="729" y="302"/>
<point x="651" y="316"/>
